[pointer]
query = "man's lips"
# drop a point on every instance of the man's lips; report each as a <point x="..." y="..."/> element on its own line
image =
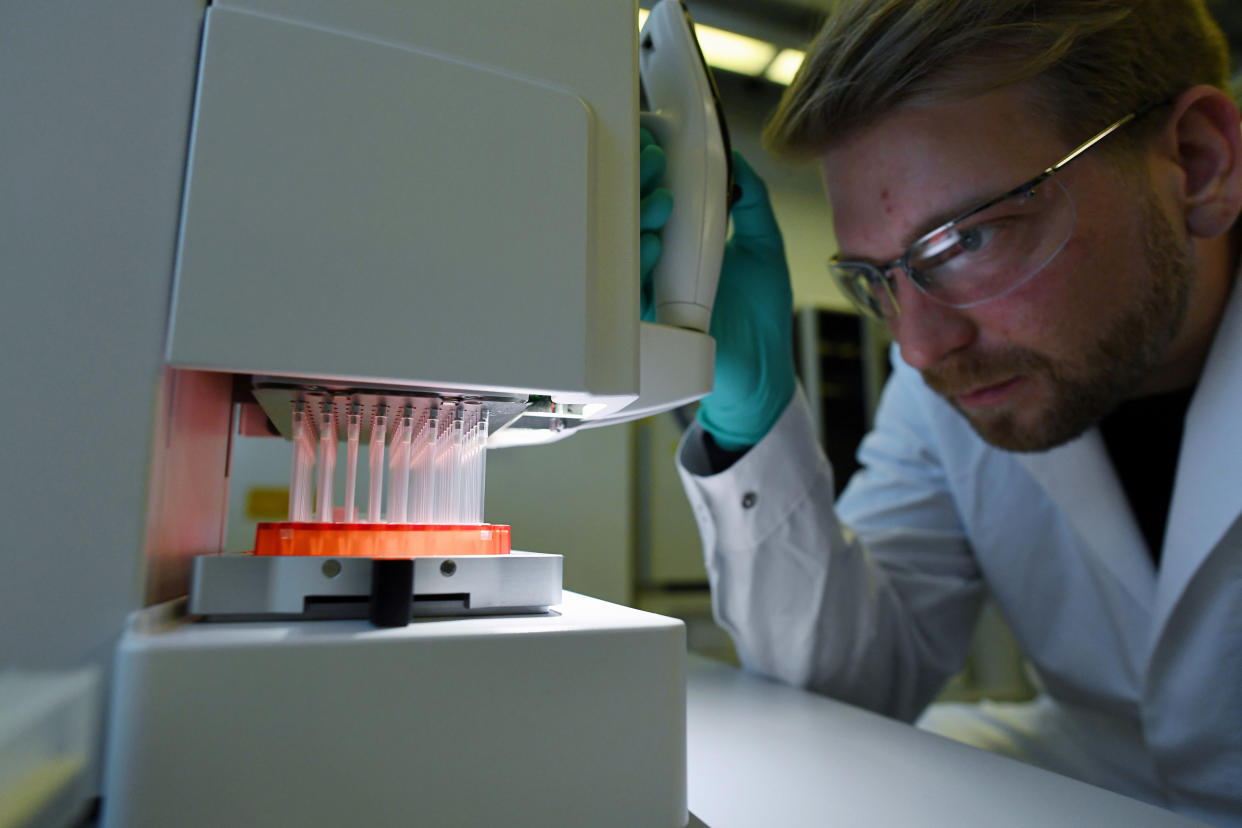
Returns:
<point x="986" y="396"/>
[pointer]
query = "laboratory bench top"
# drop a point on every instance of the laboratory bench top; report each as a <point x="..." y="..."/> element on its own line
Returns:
<point x="766" y="755"/>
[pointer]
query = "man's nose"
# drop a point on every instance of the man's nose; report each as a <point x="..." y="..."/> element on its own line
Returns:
<point x="925" y="330"/>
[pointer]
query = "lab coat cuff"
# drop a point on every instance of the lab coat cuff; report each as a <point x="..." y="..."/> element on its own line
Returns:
<point x="754" y="496"/>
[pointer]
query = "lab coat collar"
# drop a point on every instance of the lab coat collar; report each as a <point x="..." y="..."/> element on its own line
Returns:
<point x="1207" y="491"/>
<point x="1080" y="479"/>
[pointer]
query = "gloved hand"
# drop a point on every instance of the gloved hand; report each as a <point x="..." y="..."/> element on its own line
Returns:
<point x="752" y="323"/>
<point x="654" y="207"/>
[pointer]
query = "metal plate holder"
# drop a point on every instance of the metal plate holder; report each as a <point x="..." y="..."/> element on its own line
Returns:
<point x="250" y="587"/>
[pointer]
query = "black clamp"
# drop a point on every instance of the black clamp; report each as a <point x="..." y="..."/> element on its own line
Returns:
<point x="392" y="591"/>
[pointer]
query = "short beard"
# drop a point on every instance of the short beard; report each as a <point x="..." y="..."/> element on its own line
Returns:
<point x="1116" y="364"/>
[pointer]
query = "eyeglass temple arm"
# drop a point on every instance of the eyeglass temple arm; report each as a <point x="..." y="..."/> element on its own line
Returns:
<point x="1104" y="133"/>
<point x="1093" y="140"/>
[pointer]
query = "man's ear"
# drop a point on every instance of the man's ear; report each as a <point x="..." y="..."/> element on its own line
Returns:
<point x="1204" y="139"/>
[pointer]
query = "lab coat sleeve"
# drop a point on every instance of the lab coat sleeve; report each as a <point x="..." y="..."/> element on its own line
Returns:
<point x="879" y="613"/>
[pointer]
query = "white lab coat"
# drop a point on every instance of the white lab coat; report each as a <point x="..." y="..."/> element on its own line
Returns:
<point x="1143" y="669"/>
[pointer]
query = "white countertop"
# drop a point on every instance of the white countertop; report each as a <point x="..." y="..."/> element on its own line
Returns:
<point x="764" y="755"/>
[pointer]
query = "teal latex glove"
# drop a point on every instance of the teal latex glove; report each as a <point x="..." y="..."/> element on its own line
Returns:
<point x="752" y="323"/>
<point x="654" y="207"/>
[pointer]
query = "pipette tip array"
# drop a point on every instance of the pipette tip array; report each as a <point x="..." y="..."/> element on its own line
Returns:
<point x="429" y="455"/>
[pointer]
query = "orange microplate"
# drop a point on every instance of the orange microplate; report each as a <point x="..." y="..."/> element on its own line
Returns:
<point x="380" y="540"/>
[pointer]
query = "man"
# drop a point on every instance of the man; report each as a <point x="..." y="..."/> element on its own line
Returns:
<point x="1059" y="309"/>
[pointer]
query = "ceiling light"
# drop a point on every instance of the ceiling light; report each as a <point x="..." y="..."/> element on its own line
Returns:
<point x="738" y="53"/>
<point x="734" y="52"/>
<point x="783" y="69"/>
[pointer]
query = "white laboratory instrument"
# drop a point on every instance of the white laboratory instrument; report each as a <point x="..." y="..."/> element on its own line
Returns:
<point x="568" y="718"/>
<point x="392" y="207"/>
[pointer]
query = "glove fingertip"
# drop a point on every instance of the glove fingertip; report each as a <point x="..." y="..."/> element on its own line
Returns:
<point x="654" y="209"/>
<point x="651" y="164"/>
<point x="648" y="253"/>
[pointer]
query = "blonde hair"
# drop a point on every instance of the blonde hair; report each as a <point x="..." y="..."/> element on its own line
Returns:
<point x="1088" y="62"/>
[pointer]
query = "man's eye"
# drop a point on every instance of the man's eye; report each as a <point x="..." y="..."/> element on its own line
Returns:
<point x="974" y="238"/>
